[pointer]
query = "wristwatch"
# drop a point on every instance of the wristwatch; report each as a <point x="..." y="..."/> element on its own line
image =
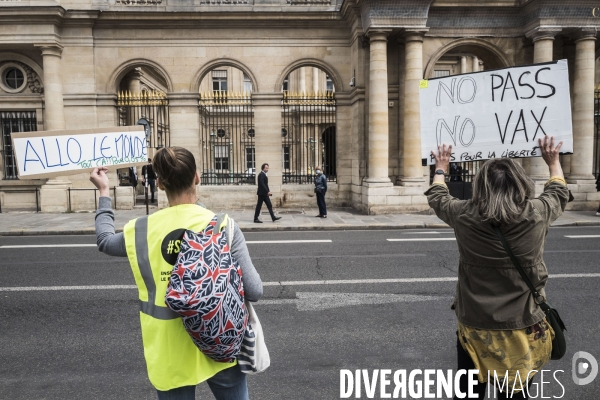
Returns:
<point x="440" y="172"/>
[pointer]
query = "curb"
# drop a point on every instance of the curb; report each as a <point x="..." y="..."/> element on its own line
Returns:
<point x="276" y="228"/>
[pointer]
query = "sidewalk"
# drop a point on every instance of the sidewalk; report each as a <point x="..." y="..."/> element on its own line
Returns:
<point x="28" y="223"/>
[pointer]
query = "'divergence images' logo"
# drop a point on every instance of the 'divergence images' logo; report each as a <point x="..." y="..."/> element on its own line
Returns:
<point x="443" y="384"/>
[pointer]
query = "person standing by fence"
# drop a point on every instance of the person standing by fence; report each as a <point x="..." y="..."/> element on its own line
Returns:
<point x="320" y="190"/>
<point x="149" y="176"/>
<point x="598" y="189"/>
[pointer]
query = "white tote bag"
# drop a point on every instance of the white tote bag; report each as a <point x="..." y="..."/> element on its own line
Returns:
<point x="254" y="356"/>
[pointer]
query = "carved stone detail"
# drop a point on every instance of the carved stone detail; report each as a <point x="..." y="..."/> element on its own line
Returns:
<point x="34" y="83"/>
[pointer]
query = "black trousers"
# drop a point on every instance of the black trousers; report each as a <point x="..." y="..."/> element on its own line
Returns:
<point x="465" y="362"/>
<point x="152" y="186"/>
<point x="321" y="203"/>
<point x="267" y="201"/>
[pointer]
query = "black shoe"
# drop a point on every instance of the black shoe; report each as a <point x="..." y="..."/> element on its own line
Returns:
<point x="257" y="221"/>
<point x="276" y="219"/>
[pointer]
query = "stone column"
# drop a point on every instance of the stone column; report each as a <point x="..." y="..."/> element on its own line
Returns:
<point x="411" y="140"/>
<point x="463" y="65"/>
<point x="302" y="73"/>
<point x="316" y="80"/>
<point x="267" y="125"/>
<point x="135" y="85"/>
<point x="542" y="52"/>
<point x="54" y="193"/>
<point x="475" y="63"/>
<point x="54" y="113"/>
<point x="583" y="109"/>
<point x="378" y="109"/>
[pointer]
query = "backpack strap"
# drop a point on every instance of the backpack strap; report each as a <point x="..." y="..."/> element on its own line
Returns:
<point x="539" y="299"/>
<point x="220" y="219"/>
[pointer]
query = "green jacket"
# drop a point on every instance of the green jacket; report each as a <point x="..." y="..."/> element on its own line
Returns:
<point x="490" y="293"/>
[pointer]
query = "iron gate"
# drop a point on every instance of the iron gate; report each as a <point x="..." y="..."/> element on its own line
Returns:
<point x="227" y="125"/>
<point x="152" y="106"/>
<point x="460" y="178"/>
<point x="14" y="121"/>
<point x="308" y="136"/>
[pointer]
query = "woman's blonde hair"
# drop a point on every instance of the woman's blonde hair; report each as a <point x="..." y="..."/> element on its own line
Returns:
<point x="500" y="190"/>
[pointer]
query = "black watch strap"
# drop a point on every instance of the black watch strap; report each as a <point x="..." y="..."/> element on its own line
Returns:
<point x="440" y="171"/>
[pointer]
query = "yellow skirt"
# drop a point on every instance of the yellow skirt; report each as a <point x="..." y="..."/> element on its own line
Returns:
<point x="517" y="351"/>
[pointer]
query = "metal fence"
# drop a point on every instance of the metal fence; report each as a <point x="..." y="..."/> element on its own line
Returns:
<point x="14" y="121"/>
<point x="152" y="106"/>
<point x="227" y="131"/>
<point x="70" y="202"/>
<point x="308" y="136"/>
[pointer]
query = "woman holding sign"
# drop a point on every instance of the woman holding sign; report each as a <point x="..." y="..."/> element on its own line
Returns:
<point x="501" y="328"/>
<point x="175" y="365"/>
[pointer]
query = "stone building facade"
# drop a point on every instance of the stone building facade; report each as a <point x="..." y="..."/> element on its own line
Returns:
<point x="336" y="81"/>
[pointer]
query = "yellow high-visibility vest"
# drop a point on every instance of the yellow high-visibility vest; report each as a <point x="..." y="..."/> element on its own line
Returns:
<point x="152" y="243"/>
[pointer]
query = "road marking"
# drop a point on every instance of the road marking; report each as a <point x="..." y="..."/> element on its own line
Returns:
<point x="52" y="288"/>
<point x="280" y="283"/>
<point x="424" y="233"/>
<point x="312" y="301"/>
<point x="582" y="236"/>
<point x="25" y="246"/>
<point x="420" y="239"/>
<point x="360" y="281"/>
<point x="287" y="241"/>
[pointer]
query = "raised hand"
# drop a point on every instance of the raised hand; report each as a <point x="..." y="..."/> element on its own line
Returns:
<point x="442" y="159"/>
<point x="99" y="178"/>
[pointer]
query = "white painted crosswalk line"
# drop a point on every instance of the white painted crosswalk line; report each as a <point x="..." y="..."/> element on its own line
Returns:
<point x="423" y="233"/>
<point x="582" y="236"/>
<point x="283" y="283"/>
<point x="421" y="239"/>
<point x="33" y="246"/>
<point x="287" y="241"/>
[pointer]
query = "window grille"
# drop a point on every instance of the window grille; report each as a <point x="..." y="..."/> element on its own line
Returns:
<point x="247" y="84"/>
<point x="308" y="136"/>
<point x="150" y="105"/>
<point x="439" y="73"/>
<point x="14" y="121"/>
<point x="227" y="131"/>
<point x="219" y="81"/>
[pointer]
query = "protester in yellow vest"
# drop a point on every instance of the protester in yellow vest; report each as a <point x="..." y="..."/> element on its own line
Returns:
<point x="175" y="365"/>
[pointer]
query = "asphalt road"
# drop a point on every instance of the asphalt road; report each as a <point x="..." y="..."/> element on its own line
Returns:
<point x="327" y="306"/>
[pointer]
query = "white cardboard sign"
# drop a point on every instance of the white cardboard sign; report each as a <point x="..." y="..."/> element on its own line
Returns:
<point x="54" y="153"/>
<point x="499" y="113"/>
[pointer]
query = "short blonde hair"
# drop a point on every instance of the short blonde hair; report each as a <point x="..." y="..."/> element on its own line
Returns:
<point x="500" y="190"/>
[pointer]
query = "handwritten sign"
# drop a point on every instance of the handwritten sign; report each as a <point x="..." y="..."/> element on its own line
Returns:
<point x="499" y="113"/>
<point x="53" y="153"/>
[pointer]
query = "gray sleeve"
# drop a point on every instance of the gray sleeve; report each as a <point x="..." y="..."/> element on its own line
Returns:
<point x="253" y="289"/>
<point x="109" y="242"/>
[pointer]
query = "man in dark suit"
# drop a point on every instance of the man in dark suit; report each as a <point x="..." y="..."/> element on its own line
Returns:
<point x="264" y="193"/>
<point x="148" y="174"/>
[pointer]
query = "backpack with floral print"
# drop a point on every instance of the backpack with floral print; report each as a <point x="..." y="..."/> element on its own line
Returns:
<point x="205" y="288"/>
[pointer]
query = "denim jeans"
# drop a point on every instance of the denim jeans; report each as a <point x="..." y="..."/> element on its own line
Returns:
<point x="229" y="384"/>
<point x="321" y="203"/>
